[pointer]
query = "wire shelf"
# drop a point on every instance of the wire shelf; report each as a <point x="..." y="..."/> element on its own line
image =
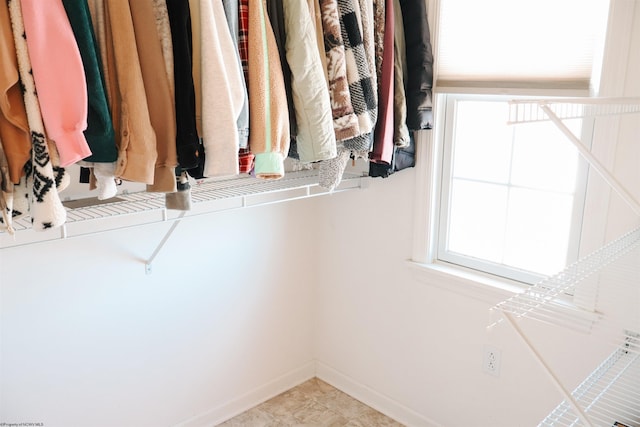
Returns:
<point x="528" y="110"/>
<point x="91" y="216"/>
<point x="614" y="267"/>
<point x="609" y="395"/>
<point x="604" y="287"/>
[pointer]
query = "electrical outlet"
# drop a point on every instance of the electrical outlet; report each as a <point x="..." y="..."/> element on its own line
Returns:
<point x="491" y="361"/>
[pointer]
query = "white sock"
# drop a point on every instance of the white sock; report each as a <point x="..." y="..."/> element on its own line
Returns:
<point x="105" y="180"/>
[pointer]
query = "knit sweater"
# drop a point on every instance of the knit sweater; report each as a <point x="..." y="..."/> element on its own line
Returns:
<point x="59" y="77"/>
<point x="269" y="120"/>
<point x="14" y="129"/>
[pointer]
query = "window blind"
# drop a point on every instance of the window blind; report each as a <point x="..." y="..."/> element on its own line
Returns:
<point x="546" y="44"/>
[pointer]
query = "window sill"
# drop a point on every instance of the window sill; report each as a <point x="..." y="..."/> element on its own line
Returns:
<point x="465" y="282"/>
<point x="493" y="290"/>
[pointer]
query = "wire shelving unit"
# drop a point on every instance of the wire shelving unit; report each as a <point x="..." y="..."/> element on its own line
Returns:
<point x="604" y="286"/>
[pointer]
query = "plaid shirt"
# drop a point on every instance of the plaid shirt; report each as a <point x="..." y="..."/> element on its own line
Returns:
<point x="245" y="157"/>
<point x="243" y="37"/>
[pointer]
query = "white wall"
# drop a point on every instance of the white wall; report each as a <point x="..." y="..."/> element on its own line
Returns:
<point x="241" y="303"/>
<point x="621" y="66"/>
<point x="418" y="341"/>
<point x="89" y="340"/>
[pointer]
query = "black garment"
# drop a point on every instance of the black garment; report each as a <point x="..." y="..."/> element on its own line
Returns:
<point x="187" y="141"/>
<point x="419" y="83"/>
<point x="403" y="158"/>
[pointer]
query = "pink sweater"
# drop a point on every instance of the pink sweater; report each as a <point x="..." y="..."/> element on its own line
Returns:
<point x="59" y="77"/>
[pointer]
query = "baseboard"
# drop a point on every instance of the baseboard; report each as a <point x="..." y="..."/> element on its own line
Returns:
<point x="372" y="398"/>
<point x="252" y="398"/>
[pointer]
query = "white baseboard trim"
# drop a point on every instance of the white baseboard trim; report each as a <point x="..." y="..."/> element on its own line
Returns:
<point x="372" y="398"/>
<point x="252" y="398"/>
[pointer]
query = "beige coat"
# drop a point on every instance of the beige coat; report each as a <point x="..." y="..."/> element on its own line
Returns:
<point x="315" y="136"/>
<point x="135" y="137"/>
<point x="159" y="95"/>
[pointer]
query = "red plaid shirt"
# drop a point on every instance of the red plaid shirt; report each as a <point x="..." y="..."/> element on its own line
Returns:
<point x="245" y="157"/>
<point x="243" y="38"/>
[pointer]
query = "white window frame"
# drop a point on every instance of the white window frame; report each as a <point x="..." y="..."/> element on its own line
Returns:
<point x="445" y="139"/>
<point x="607" y="81"/>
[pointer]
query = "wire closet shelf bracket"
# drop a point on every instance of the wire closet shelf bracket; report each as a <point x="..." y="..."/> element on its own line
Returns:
<point x="91" y="216"/>
<point x="605" y="287"/>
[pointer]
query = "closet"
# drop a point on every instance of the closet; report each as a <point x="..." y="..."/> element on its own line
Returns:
<point x="214" y="170"/>
<point x="599" y="295"/>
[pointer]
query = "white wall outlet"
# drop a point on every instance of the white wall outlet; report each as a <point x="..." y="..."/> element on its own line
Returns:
<point x="491" y="361"/>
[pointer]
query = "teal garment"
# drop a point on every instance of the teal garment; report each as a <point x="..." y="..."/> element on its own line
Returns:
<point x="99" y="133"/>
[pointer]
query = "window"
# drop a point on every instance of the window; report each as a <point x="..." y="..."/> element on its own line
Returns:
<point x="507" y="199"/>
<point x="511" y="196"/>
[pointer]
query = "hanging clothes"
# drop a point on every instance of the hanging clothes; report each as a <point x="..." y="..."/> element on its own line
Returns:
<point x="187" y="140"/>
<point x="97" y="12"/>
<point x="158" y="93"/>
<point x="316" y="139"/>
<point x="269" y="120"/>
<point x="222" y="92"/>
<point x="361" y="88"/>
<point x="38" y="194"/>
<point x="400" y="130"/>
<point x="362" y="92"/>
<point x="383" y="144"/>
<point x="419" y="65"/>
<point x="232" y="10"/>
<point x="6" y="194"/>
<point x="14" y="128"/>
<point x="99" y="133"/>
<point x="367" y="24"/>
<point x="163" y="28"/>
<point x="275" y="13"/>
<point x="59" y="77"/>
<point x="316" y="18"/>
<point x="136" y="139"/>
<point x="379" y="29"/>
<point x="245" y="156"/>
<point x="345" y="122"/>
